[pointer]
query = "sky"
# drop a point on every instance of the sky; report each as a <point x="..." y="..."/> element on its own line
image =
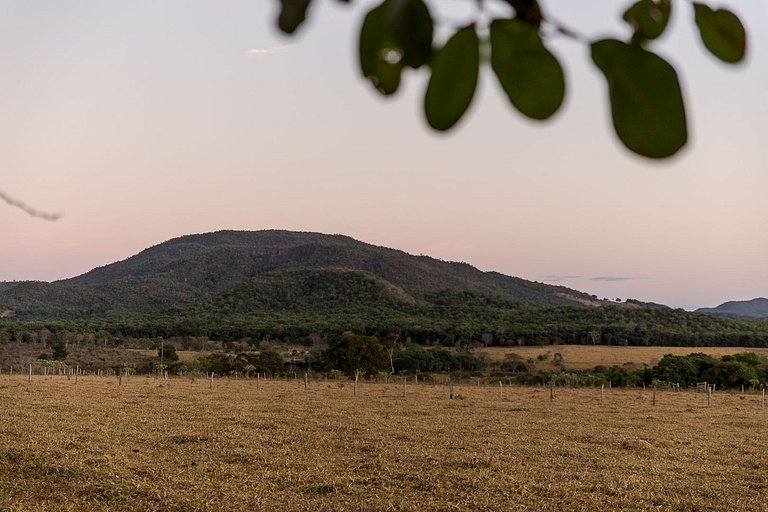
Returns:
<point x="142" y="121"/>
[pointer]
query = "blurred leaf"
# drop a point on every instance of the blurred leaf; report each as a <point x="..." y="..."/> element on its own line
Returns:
<point x="722" y="33"/>
<point x="412" y="27"/>
<point x="530" y="75"/>
<point x="380" y="56"/>
<point x="527" y="11"/>
<point x="292" y="14"/>
<point x="649" y="18"/>
<point x="646" y="102"/>
<point x="455" y="68"/>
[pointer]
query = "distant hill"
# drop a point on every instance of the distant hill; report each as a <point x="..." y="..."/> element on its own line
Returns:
<point x="194" y="268"/>
<point x="755" y="308"/>
<point x="296" y="287"/>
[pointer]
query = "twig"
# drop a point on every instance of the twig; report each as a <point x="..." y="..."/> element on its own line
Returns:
<point x="28" y="209"/>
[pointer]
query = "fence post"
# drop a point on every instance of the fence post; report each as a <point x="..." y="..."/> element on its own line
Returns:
<point x="602" y="389"/>
<point x="405" y="390"/>
<point x="306" y="382"/>
<point x="654" y="395"/>
<point x="709" y="396"/>
<point x="552" y="390"/>
<point x="210" y="382"/>
<point x="30" y="374"/>
<point x="501" y="390"/>
<point x="451" y="389"/>
<point x="258" y="378"/>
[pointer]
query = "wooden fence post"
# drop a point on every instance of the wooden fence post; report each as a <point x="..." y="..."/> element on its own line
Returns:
<point x="552" y="390"/>
<point x="258" y="378"/>
<point x="405" y="390"/>
<point x="30" y="374"/>
<point x="354" y="390"/>
<point x="709" y="396"/>
<point x="602" y="389"/>
<point x="654" y="395"/>
<point x="306" y="382"/>
<point x="501" y="390"/>
<point x="451" y="389"/>
<point x="210" y="382"/>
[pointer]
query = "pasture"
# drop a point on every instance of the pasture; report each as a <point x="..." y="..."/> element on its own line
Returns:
<point x="93" y="445"/>
<point x="586" y="357"/>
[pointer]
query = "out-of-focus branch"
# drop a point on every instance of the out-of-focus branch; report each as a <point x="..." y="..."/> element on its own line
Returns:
<point x="28" y="209"/>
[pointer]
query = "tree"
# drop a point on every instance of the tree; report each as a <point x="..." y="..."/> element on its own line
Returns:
<point x="644" y="92"/>
<point x="354" y="354"/>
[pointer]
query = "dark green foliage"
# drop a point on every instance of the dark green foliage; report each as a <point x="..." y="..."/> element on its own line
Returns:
<point x="646" y="101"/>
<point x="530" y="75"/>
<point x="647" y="106"/>
<point x="380" y="61"/>
<point x="416" y="359"/>
<point x="355" y="354"/>
<point x="722" y="33"/>
<point x="292" y="14"/>
<point x="649" y="18"/>
<point x="455" y="69"/>
<point x="168" y="353"/>
<point x="743" y="369"/>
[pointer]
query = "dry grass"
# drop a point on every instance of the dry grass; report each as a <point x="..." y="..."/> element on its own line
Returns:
<point x="583" y="357"/>
<point x="92" y="445"/>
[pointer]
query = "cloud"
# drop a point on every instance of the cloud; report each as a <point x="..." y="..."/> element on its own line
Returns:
<point x="259" y="52"/>
<point x="611" y="279"/>
<point x="556" y="278"/>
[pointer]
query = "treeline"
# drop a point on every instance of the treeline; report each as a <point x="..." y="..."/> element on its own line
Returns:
<point x="358" y="355"/>
<point x="457" y="320"/>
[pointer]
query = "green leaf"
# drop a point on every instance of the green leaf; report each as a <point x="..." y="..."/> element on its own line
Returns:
<point x="380" y="55"/>
<point x="646" y="102"/>
<point x="722" y="33"/>
<point x="649" y="18"/>
<point x="412" y="27"/>
<point x="529" y="74"/>
<point x="455" y="68"/>
<point x="292" y="14"/>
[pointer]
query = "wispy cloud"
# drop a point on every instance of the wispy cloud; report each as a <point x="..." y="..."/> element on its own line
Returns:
<point x="612" y="278"/>
<point x="558" y="278"/>
<point x="260" y="52"/>
<point x="28" y="209"/>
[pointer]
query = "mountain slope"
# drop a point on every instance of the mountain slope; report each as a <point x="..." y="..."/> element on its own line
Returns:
<point x="755" y="308"/>
<point x="213" y="263"/>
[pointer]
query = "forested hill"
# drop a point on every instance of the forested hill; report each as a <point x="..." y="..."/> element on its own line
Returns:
<point x="293" y="286"/>
<point x="755" y="308"/>
<point x="195" y="268"/>
<point x="214" y="262"/>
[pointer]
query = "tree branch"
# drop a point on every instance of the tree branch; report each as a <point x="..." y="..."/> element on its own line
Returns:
<point x="28" y="209"/>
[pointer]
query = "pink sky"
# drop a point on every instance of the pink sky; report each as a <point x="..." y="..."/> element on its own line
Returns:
<point x="142" y="121"/>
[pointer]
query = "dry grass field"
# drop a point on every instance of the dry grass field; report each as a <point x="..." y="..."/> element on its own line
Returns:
<point x="584" y="357"/>
<point x="94" y="445"/>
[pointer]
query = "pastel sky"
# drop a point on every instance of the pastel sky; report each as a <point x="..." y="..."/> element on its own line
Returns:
<point x="145" y="120"/>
